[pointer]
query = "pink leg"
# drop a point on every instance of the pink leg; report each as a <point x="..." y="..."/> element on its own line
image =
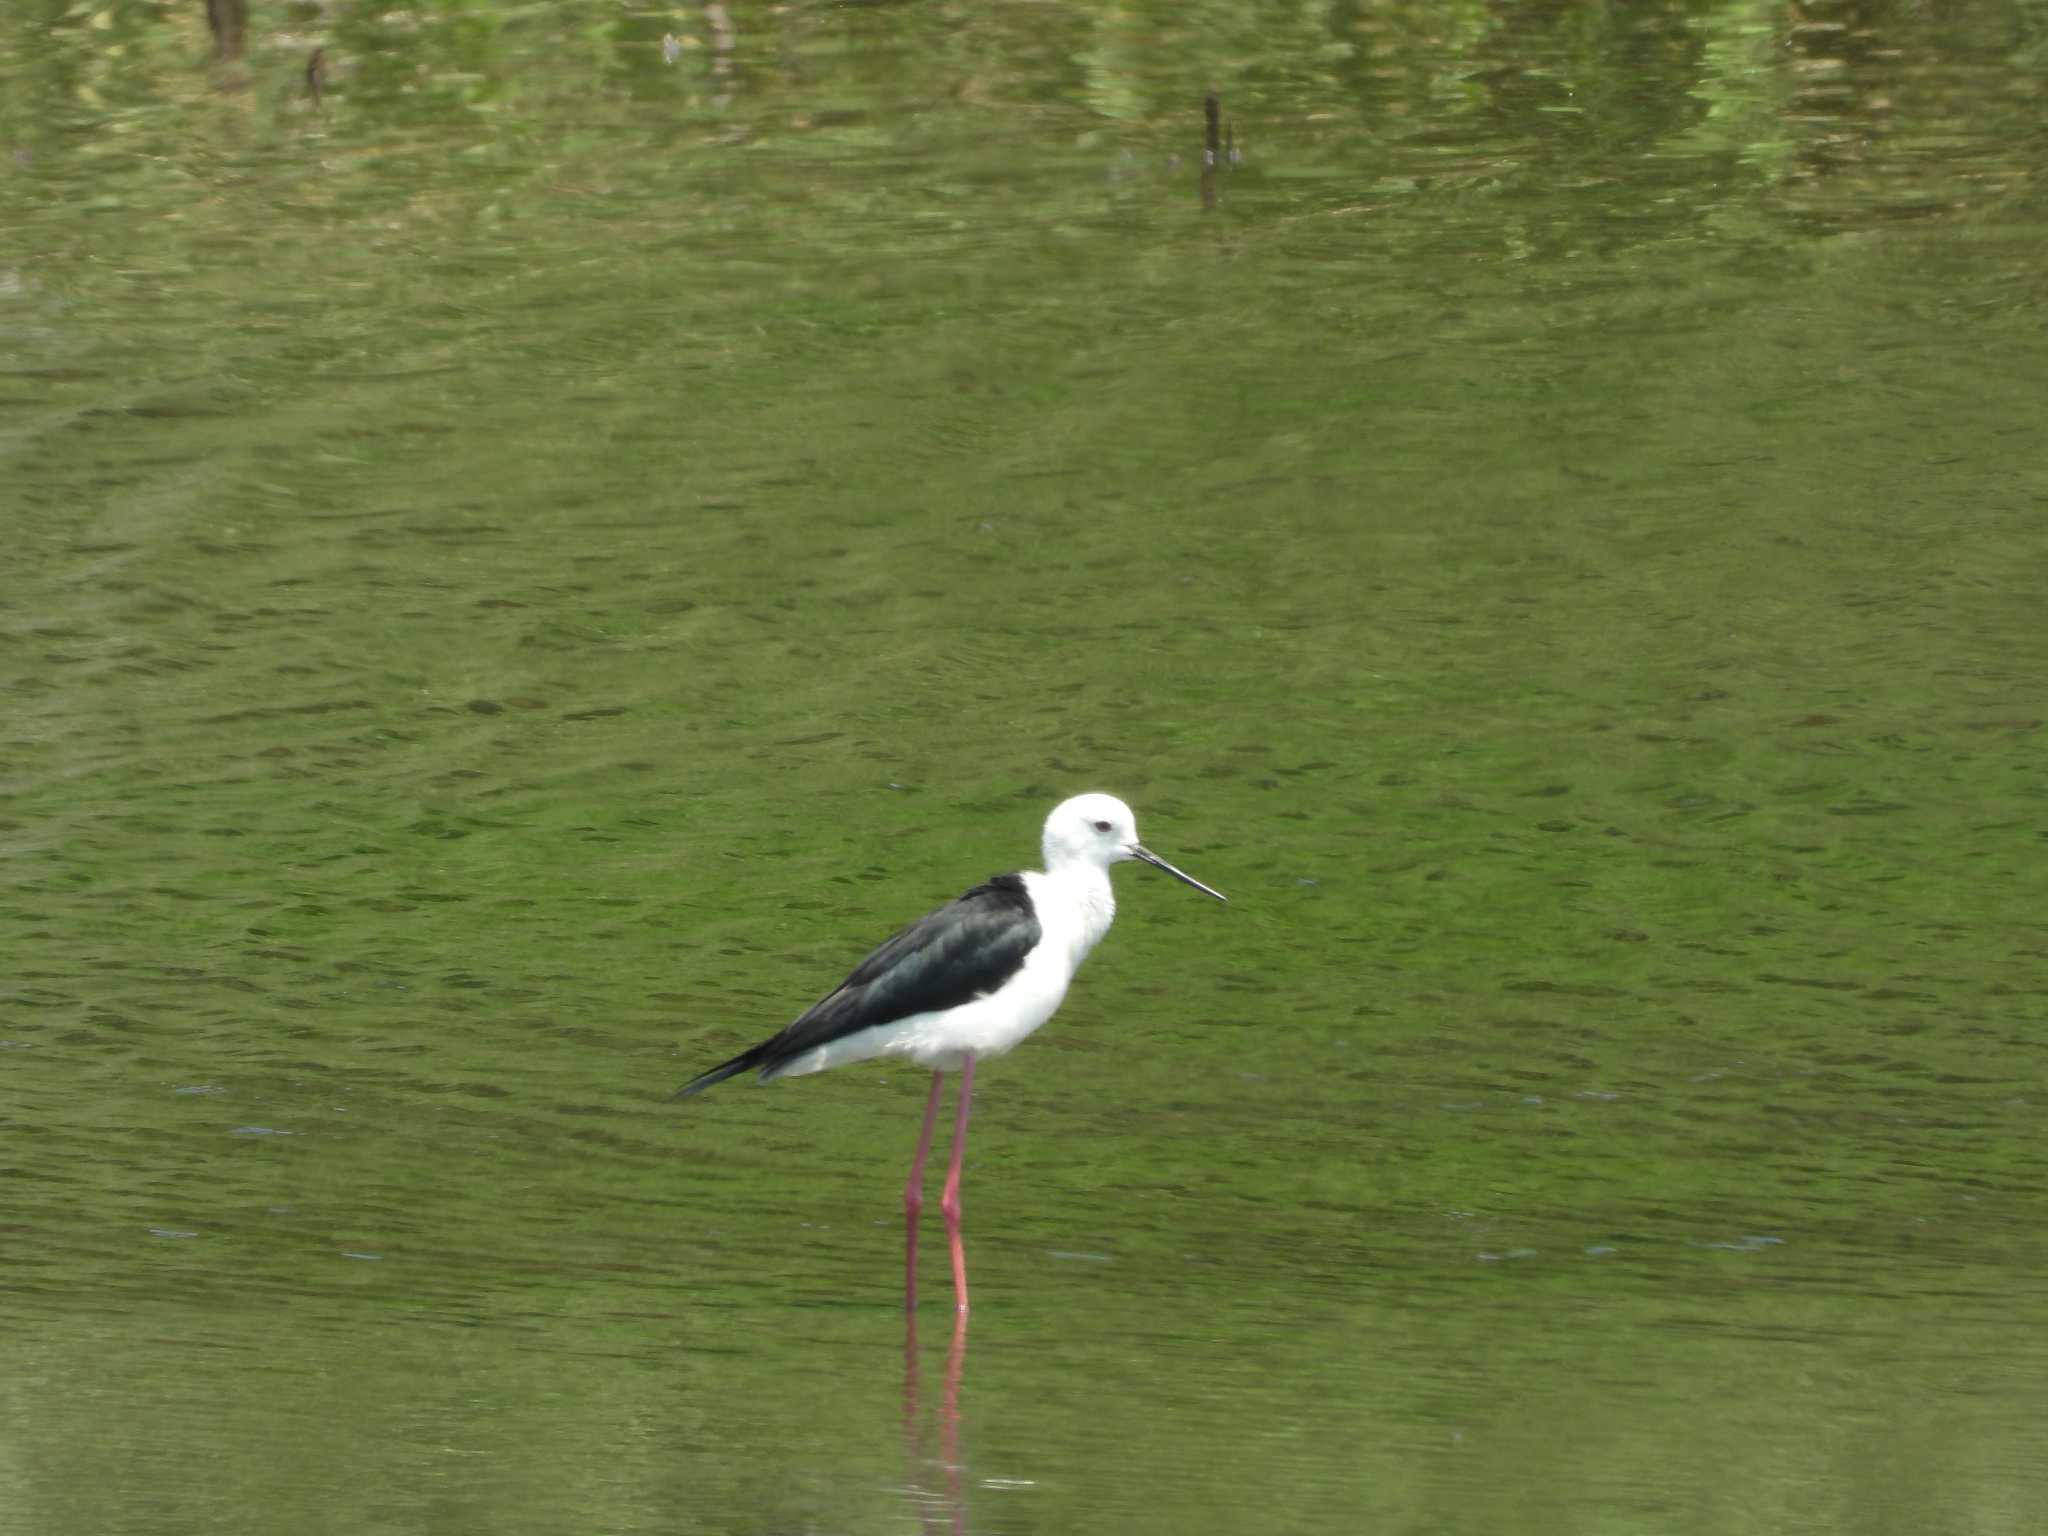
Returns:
<point x="949" y="1202"/>
<point x="913" y="1195"/>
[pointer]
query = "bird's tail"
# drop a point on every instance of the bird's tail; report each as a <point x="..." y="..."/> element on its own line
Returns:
<point x="743" y="1062"/>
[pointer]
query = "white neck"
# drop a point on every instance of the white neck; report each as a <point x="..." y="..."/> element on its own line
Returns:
<point x="1081" y="903"/>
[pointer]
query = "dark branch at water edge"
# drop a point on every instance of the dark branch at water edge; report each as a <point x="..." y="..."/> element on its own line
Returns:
<point x="229" y="20"/>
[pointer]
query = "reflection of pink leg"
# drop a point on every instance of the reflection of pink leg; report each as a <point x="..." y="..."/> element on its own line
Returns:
<point x="951" y="1463"/>
<point x="949" y="1424"/>
<point x="913" y="1195"/>
<point x="949" y="1202"/>
<point x="913" y="1394"/>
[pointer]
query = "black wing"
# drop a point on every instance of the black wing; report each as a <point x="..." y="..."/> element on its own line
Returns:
<point x="964" y="950"/>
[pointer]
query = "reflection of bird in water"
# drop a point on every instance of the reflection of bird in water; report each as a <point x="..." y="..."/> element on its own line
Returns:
<point x="936" y="1510"/>
<point x="969" y="980"/>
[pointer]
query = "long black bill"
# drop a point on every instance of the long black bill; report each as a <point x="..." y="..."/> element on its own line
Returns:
<point x="1138" y="851"/>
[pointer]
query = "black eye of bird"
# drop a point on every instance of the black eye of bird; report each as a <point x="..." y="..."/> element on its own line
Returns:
<point x="1102" y="826"/>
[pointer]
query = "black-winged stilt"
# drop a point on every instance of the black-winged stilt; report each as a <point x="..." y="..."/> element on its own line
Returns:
<point x="969" y="980"/>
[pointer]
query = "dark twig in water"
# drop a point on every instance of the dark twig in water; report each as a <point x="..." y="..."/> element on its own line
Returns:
<point x="1212" y="146"/>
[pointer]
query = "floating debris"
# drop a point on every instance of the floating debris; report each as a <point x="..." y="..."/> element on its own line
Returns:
<point x="1745" y="1244"/>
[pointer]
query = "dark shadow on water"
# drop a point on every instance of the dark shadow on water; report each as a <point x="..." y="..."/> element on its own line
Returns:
<point x="937" y="1486"/>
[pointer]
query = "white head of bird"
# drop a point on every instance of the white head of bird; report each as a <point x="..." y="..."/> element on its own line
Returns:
<point x="1096" y="831"/>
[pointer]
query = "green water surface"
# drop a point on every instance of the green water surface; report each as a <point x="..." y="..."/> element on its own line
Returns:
<point x="516" y="577"/>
